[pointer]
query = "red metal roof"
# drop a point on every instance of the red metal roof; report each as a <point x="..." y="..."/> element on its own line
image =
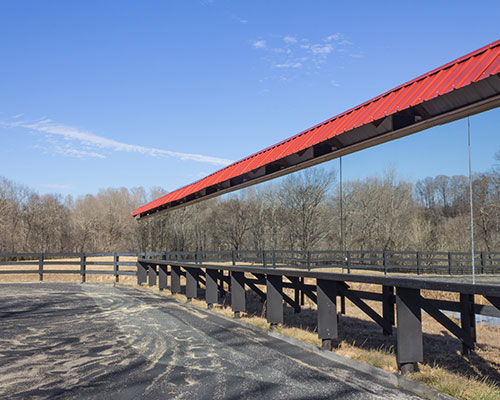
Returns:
<point x="450" y="77"/>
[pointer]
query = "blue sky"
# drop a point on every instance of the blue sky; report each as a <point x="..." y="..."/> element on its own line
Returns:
<point x="99" y="94"/>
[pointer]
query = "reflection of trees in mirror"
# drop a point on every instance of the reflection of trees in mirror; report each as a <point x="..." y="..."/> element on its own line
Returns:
<point x="299" y="212"/>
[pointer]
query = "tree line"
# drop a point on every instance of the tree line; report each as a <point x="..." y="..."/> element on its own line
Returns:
<point x="299" y="212"/>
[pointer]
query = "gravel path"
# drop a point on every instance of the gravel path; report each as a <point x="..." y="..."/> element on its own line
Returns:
<point x="71" y="341"/>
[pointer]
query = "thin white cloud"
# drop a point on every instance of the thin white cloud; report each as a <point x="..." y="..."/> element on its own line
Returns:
<point x="292" y="53"/>
<point x="321" y="49"/>
<point x="289" y="39"/>
<point x="72" y="135"/>
<point x="289" y="65"/>
<point x="68" y="151"/>
<point x="335" y="36"/>
<point x="259" y="44"/>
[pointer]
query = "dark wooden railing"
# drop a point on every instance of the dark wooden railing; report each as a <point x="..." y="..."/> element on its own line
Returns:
<point x="388" y="262"/>
<point x="322" y="276"/>
<point x="402" y="301"/>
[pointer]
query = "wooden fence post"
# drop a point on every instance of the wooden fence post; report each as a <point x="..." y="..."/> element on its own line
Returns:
<point x="115" y="267"/>
<point x="327" y="312"/>
<point x="238" y="295"/>
<point x="83" y="266"/>
<point x="211" y="289"/>
<point x="409" y="329"/>
<point x="274" y="305"/>
<point x="40" y="266"/>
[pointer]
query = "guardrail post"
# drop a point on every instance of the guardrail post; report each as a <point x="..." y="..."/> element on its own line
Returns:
<point x="115" y="267"/>
<point x="40" y="266"/>
<point x="264" y="261"/>
<point x="151" y="274"/>
<point x="385" y="262"/>
<point x="467" y="319"/>
<point x="211" y="289"/>
<point x="191" y="283"/>
<point x="308" y="260"/>
<point x="388" y="306"/>
<point x="274" y="309"/>
<point x="274" y="258"/>
<point x="449" y="262"/>
<point x="483" y="261"/>
<point x="238" y="295"/>
<point x="175" y="279"/>
<point x="419" y="261"/>
<point x="327" y="312"/>
<point x="233" y="257"/>
<point x="348" y="262"/>
<point x="409" y="332"/>
<point x="141" y="272"/>
<point x="83" y="267"/>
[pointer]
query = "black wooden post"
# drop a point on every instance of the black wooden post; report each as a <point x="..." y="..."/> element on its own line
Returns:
<point x="467" y="319"/>
<point x="388" y="306"/>
<point x="449" y="262"/>
<point x="141" y="272"/>
<point x="211" y="289"/>
<point x="175" y="279"/>
<point x="115" y="267"/>
<point x="274" y="309"/>
<point x="342" y="304"/>
<point x="83" y="267"/>
<point x="418" y="262"/>
<point x="296" y="296"/>
<point x="162" y="276"/>
<point x="233" y="257"/>
<point x="152" y="274"/>
<point x="192" y="283"/>
<point x="302" y="294"/>
<point x="385" y="262"/>
<point x="222" y="291"/>
<point x="409" y="332"/>
<point x="308" y="260"/>
<point x="238" y="295"/>
<point x="327" y="312"/>
<point x="483" y="261"/>
<point x="40" y="266"/>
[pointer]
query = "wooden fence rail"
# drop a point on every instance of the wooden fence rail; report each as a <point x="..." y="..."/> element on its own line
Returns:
<point x="388" y="262"/>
